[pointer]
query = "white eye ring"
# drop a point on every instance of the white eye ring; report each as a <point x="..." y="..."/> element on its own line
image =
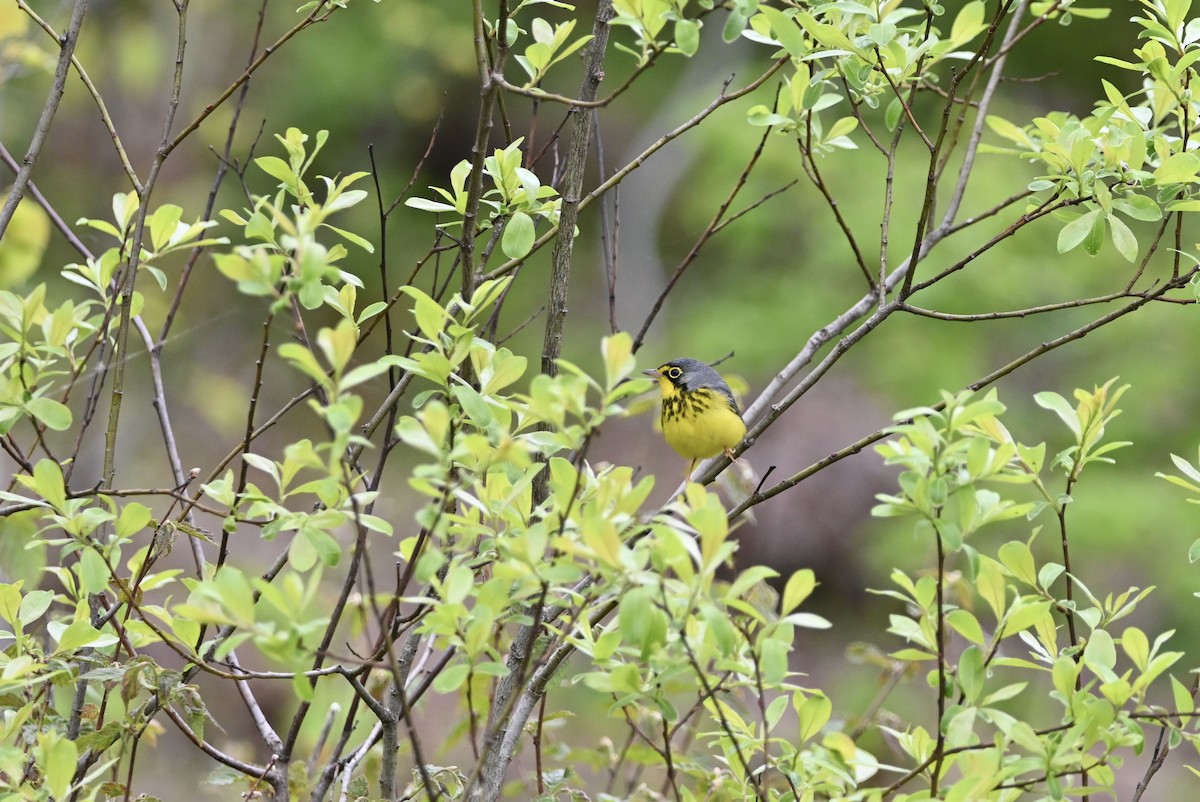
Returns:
<point x="674" y="373"/>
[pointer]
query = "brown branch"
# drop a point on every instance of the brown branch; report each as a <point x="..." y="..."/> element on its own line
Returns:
<point x="722" y="98"/>
<point x="1043" y="348"/>
<point x="66" y="49"/>
<point x="319" y="13"/>
<point x="705" y="235"/>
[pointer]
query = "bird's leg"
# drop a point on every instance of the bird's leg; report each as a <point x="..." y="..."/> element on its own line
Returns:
<point x="687" y="477"/>
<point x="729" y="454"/>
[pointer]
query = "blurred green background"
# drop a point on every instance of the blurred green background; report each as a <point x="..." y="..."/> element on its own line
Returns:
<point x="382" y="74"/>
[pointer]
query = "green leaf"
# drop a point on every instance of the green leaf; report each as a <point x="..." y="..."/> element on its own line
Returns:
<point x="735" y="23"/>
<point x="24" y="243"/>
<point x="452" y="678"/>
<point x="1177" y="169"/>
<point x="814" y="713"/>
<point x="303" y="360"/>
<point x="277" y="168"/>
<point x="892" y="114"/>
<point x="1137" y="646"/>
<point x="519" y="235"/>
<point x="1059" y="406"/>
<point x="370" y="311"/>
<point x="35" y="603"/>
<point x="965" y="623"/>
<point x="337" y="344"/>
<point x="47" y="482"/>
<point x="971" y="673"/>
<point x="78" y="635"/>
<point x="619" y="361"/>
<point x="1024" y="614"/>
<point x="235" y="594"/>
<point x="428" y="205"/>
<point x="798" y="588"/>
<point x="1063" y="675"/>
<point x="351" y="237"/>
<point x="1139" y="207"/>
<point x="163" y="223"/>
<point x="1076" y="231"/>
<point x="1100" y="653"/>
<point x="1018" y="559"/>
<point x="786" y="32"/>
<point x="49" y="412"/>
<point x="774" y="660"/>
<point x="842" y="127"/>
<point x="1124" y="240"/>
<point x="431" y="318"/>
<point x="1182" y="696"/>
<point x="687" y="36"/>
<point x="55" y="756"/>
<point x="968" y="23"/>
<point x="134" y="517"/>
<point x="1007" y="130"/>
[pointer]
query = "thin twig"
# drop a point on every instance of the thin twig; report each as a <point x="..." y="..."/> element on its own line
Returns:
<point x="38" y="141"/>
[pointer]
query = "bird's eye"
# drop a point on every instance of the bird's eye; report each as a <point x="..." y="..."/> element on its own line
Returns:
<point x="674" y="373"/>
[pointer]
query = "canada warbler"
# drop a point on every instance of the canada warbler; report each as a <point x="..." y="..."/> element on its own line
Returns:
<point x="700" y="418"/>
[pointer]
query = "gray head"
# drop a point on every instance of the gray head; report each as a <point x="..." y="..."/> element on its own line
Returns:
<point x="692" y="374"/>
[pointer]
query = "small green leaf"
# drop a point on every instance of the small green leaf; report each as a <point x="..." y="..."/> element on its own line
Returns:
<point x="1177" y="169"/>
<point x="47" y="482"/>
<point x="1124" y="240"/>
<point x="134" y="517"/>
<point x="277" y="168"/>
<point x="428" y="205"/>
<point x="798" y="588"/>
<point x="687" y="36"/>
<point x="1059" y="406"/>
<point x="1139" y="207"/>
<point x="431" y="318"/>
<point x="163" y="223"/>
<point x="968" y="23"/>
<point x="518" y="237"/>
<point x="971" y="673"/>
<point x="33" y="605"/>
<point x="619" y="361"/>
<point x="1076" y="231"/>
<point x="1137" y="646"/>
<point x="452" y="678"/>
<point x="814" y="713"/>
<point x="1100" y="653"/>
<point x="303" y="360"/>
<point x="55" y="756"/>
<point x="49" y="412"/>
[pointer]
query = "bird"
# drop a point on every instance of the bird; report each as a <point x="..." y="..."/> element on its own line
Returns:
<point x="700" y="418"/>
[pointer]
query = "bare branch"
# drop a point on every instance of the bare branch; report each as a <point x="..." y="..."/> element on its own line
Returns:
<point x="66" y="50"/>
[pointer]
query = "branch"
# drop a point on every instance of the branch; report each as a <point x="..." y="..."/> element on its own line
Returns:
<point x="709" y="230"/>
<point x="564" y="245"/>
<point x="135" y="248"/>
<point x="488" y="89"/>
<point x="313" y="17"/>
<point x="67" y="48"/>
<point x="105" y="117"/>
<point x="1139" y="301"/>
<point x="997" y="68"/>
<point x="722" y="98"/>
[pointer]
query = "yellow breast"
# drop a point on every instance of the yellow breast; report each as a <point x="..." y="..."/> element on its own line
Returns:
<point x="700" y="424"/>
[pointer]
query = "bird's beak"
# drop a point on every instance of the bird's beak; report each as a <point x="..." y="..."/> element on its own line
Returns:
<point x="652" y="372"/>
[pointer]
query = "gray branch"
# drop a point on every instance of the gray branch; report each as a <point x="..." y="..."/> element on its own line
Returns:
<point x="44" y="122"/>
